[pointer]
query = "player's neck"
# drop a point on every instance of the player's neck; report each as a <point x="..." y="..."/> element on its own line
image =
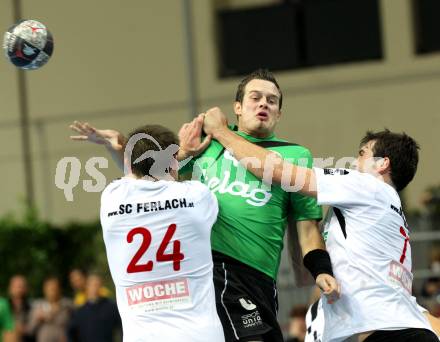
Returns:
<point x="167" y="177"/>
<point x="386" y="178"/>
<point x="255" y="134"/>
<point x="390" y="183"/>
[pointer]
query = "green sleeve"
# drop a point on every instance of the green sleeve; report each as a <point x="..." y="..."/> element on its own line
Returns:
<point x="302" y="207"/>
<point x="208" y="157"/>
<point x="186" y="170"/>
<point x="193" y="169"/>
<point x="6" y="320"/>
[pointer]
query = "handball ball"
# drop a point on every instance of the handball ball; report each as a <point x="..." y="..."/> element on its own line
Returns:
<point x="28" y="44"/>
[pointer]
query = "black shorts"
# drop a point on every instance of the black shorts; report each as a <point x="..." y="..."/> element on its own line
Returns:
<point x="404" y="335"/>
<point x="246" y="301"/>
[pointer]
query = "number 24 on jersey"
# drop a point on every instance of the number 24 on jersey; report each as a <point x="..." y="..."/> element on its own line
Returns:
<point x="176" y="256"/>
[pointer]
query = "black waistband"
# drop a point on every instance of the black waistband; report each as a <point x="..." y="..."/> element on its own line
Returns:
<point x="219" y="258"/>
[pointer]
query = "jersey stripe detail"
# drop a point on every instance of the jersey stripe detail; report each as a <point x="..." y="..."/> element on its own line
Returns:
<point x="264" y="144"/>
<point x="223" y="303"/>
<point x="341" y="220"/>
<point x="275" y="296"/>
<point x="314" y="310"/>
<point x="267" y="144"/>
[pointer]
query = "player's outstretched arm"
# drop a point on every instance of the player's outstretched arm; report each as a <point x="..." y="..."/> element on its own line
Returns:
<point x="261" y="162"/>
<point x="191" y="142"/>
<point x="317" y="259"/>
<point x="113" y="140"/>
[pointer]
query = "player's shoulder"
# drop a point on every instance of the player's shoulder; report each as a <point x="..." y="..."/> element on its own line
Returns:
<point x="354" y="179"/>
<point x="112" y="186"/>
<point x="346" y="173"/>
<point x="197" y="192"/>
<point x="290" y="151"/>
<point x="286" y="148"/>
<point x="212" y="150"/>
<point x="194" y="188"/>
<point x="365" y="178"/>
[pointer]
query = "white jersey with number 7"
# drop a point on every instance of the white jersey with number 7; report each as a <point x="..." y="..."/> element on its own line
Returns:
<point x="367" y="237"/>
<point x="157" y="238"/>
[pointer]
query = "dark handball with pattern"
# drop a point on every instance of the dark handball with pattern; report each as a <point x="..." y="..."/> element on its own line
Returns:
<point x="28" y="44"/>
<point x="367" y="235"/>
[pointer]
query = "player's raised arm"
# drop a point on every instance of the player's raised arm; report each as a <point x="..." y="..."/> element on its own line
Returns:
<point x="191" y="142"/>
<point x="113" y="140"/>
<point x="265" y="164"/>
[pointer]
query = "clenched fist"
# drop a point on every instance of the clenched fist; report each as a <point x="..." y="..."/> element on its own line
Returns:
<point x="215" y="121"/>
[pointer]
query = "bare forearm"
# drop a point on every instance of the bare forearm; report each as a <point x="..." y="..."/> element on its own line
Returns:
<point x="117" y="156"/>
<point x="309" y="236"/>
<point x="266" y="165"/>
<point x="244" y="151"/>
<point x="317" y="260"/>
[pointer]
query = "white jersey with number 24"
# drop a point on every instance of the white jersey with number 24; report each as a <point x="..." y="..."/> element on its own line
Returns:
<point x="157" y="238"/>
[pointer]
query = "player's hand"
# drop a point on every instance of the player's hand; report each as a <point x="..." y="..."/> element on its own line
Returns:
<point x="215" y="122"/>
<point x="190" y="138"/>
<point x="111" y="138"/>
<point x="329" y="287"/>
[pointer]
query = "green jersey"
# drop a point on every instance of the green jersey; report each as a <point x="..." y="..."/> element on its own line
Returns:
<point x="252" y="215"/>
<point x="6" y="322"/>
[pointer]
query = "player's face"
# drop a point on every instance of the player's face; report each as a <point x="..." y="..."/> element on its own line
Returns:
<point x="365" y="161"/>
<point x="259" y="112"/>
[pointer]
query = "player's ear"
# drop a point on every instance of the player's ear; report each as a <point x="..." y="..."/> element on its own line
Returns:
<point x="278" y="116"/>
<point x="174" y="163"/>
<point x="237" y="108"/>
<point x="174" y="174"/>
<point x="384" y="165"/>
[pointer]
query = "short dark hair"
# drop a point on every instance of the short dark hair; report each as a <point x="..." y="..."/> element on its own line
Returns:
<point x="163" y="136"/>
<point x="401" y="149"/>
<point x="260" y="74"/>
